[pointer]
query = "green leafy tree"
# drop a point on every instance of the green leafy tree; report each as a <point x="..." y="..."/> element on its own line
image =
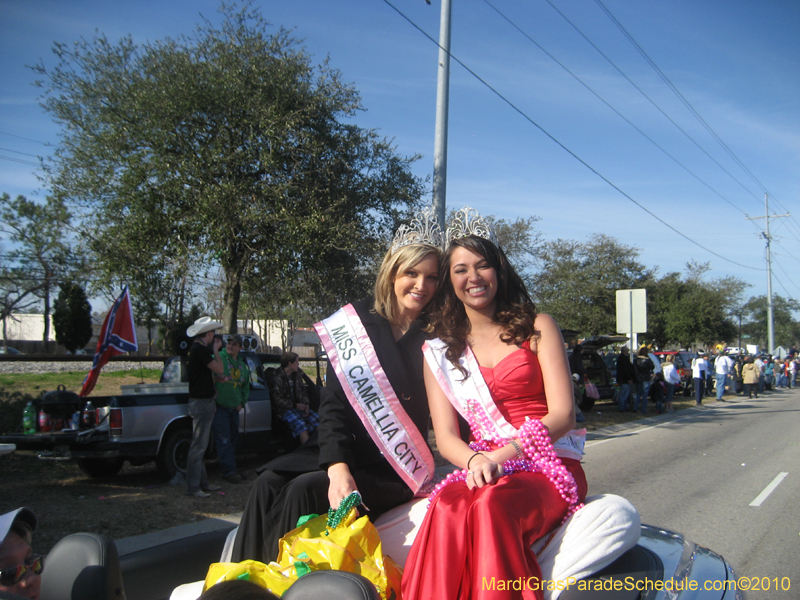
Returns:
<point x="41" y="247"/>
<point x="576" y="282"/>
<point x="72" y="317"/>
<point x="228" y="148"/>
<point x="691" y="310"/>
<point x="787" y="329"/>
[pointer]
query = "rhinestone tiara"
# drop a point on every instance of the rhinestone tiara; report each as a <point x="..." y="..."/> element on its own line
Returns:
<point x="466" y="222"/>
<point x="423" y="229"/>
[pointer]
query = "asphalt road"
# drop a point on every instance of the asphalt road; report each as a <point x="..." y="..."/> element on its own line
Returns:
<point x="699" y="471"/>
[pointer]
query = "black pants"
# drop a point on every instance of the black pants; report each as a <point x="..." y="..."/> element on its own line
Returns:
<point x="750" y="388"/>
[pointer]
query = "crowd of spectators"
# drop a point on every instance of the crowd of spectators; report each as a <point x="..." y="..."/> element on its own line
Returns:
<point x="714" y="373"/>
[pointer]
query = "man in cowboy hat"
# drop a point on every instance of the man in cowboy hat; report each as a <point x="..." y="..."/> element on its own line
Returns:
<point x="204" y="361"/>
<point x="19" y="567"/>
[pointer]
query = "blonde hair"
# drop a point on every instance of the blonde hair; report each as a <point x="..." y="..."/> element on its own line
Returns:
<point x="393" y="263"/>
<point x="669" y="358"/>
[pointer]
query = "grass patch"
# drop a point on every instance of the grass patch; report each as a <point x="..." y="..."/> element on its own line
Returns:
<point x="108" y="383"/>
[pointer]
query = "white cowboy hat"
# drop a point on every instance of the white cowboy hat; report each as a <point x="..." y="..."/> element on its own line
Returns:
<point x="202" y="325"/>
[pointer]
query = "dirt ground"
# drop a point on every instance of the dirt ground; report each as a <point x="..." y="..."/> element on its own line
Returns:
<point x="138" y="500"/>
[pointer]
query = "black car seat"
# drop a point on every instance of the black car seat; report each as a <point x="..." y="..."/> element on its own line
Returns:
<point x="332" y="585"/>
<point x="83" y="566"/>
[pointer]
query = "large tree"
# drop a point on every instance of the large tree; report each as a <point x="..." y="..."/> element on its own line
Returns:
<point x="787" y="328"/>
<point x="39" y="232"/>
<point x="226" y="147"/>
<point x="577" y="281"/>
<point x="690" y="309"/>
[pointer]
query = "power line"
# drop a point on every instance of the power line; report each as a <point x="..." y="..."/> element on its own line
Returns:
<point x="680" y="96"/>
<point x="649" y="99"/>
<point x="570" y="152"/>
<point x="24" y="138"/>
<point x="623" y="117"/>
<point x="690" y="107"/>
<point x="19" y="160"/>
<point x="18" y="152"/>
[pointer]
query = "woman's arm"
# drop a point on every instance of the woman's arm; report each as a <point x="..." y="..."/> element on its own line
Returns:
<point x="483" y="470"/>
<point x="560" y="418"/>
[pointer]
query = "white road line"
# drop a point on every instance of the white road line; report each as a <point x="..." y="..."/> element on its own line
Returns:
<point x="626" y="434"/>
<point x="768" y="490"/>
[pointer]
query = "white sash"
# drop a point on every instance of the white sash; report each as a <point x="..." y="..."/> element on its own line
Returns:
<point x="367" y="387"/>
<point x="471" y="393"/>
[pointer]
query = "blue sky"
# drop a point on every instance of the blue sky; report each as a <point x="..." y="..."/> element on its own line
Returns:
<point x="736" y="62"/>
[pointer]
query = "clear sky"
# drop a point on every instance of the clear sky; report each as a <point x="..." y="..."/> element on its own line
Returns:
<point x="736" y="63"/>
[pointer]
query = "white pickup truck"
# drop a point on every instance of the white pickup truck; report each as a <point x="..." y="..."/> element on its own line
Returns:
<point x="148" y="422"/>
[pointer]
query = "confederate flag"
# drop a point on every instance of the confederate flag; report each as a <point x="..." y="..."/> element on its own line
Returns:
<point x="118" y="335"/>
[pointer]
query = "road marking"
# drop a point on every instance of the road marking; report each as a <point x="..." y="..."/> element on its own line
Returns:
<point x="625" y="434"/>
<point x="768" y="490"/>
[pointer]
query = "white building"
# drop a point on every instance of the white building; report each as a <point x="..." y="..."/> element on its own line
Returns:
<point x="28" y="327"/>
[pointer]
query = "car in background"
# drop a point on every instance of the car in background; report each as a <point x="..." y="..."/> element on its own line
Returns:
<point x="683" y="362"/>
<point x="597" y="370"/>
<point x="9" y="350"/>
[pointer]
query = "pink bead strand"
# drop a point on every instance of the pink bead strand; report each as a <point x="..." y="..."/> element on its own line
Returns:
<point x="537" y="447"/>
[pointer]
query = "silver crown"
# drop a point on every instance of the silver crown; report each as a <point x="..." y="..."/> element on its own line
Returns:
<point x="466" y="222"/>
<point x="423" y="229"/>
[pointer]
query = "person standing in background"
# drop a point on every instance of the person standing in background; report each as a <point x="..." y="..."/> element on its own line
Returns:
<point x="671" y="379"/>
<point x="761" y="378"/>
<point x="750" y="374"/>
<point x="233" y="390"/>
<point x="722" y="367"/>
<point x="643" y="367"/>
<point x="626" y="379"/>
<point x="699" y="370"/>
<point x="204" y="362"/>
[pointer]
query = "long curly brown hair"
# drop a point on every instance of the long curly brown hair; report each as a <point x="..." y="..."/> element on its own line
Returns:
<point x="515" y="310"/>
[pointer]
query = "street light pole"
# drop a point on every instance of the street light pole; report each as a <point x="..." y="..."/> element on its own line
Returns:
<point x="442" y="103"/>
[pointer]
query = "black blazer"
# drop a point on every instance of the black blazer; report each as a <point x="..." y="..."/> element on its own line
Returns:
<point x="342" y="436"/>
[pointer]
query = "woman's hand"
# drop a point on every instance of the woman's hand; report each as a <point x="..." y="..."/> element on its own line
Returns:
<point x="483" y="471"/>
<point x="341" y="483"/>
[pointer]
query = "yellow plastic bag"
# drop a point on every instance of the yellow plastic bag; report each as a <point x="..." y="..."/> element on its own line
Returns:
<point x="354" y="545"/>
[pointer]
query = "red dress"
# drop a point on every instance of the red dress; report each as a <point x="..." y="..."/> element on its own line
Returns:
<point x="475" y="544"/>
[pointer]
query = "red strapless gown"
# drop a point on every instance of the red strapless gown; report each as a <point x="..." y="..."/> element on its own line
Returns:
<point x="475" y="544"/>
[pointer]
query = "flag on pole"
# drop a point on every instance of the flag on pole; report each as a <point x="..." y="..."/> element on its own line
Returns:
<point x="118" y="335"/>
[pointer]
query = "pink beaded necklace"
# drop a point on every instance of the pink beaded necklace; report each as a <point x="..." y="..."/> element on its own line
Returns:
<point x="541" y="457"/>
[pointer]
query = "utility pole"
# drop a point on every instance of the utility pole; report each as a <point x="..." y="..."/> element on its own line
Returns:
<point x="442" y="103"/>
<point x="770" y="312"/>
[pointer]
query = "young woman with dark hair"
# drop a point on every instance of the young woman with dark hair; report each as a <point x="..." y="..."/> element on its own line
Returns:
<point x="503" y="368"/>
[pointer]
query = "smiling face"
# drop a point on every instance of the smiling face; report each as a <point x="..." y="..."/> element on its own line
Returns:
<point x="474" y="280"/>
<point x="414" y="286"/>
<point x="232" y="348"/>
